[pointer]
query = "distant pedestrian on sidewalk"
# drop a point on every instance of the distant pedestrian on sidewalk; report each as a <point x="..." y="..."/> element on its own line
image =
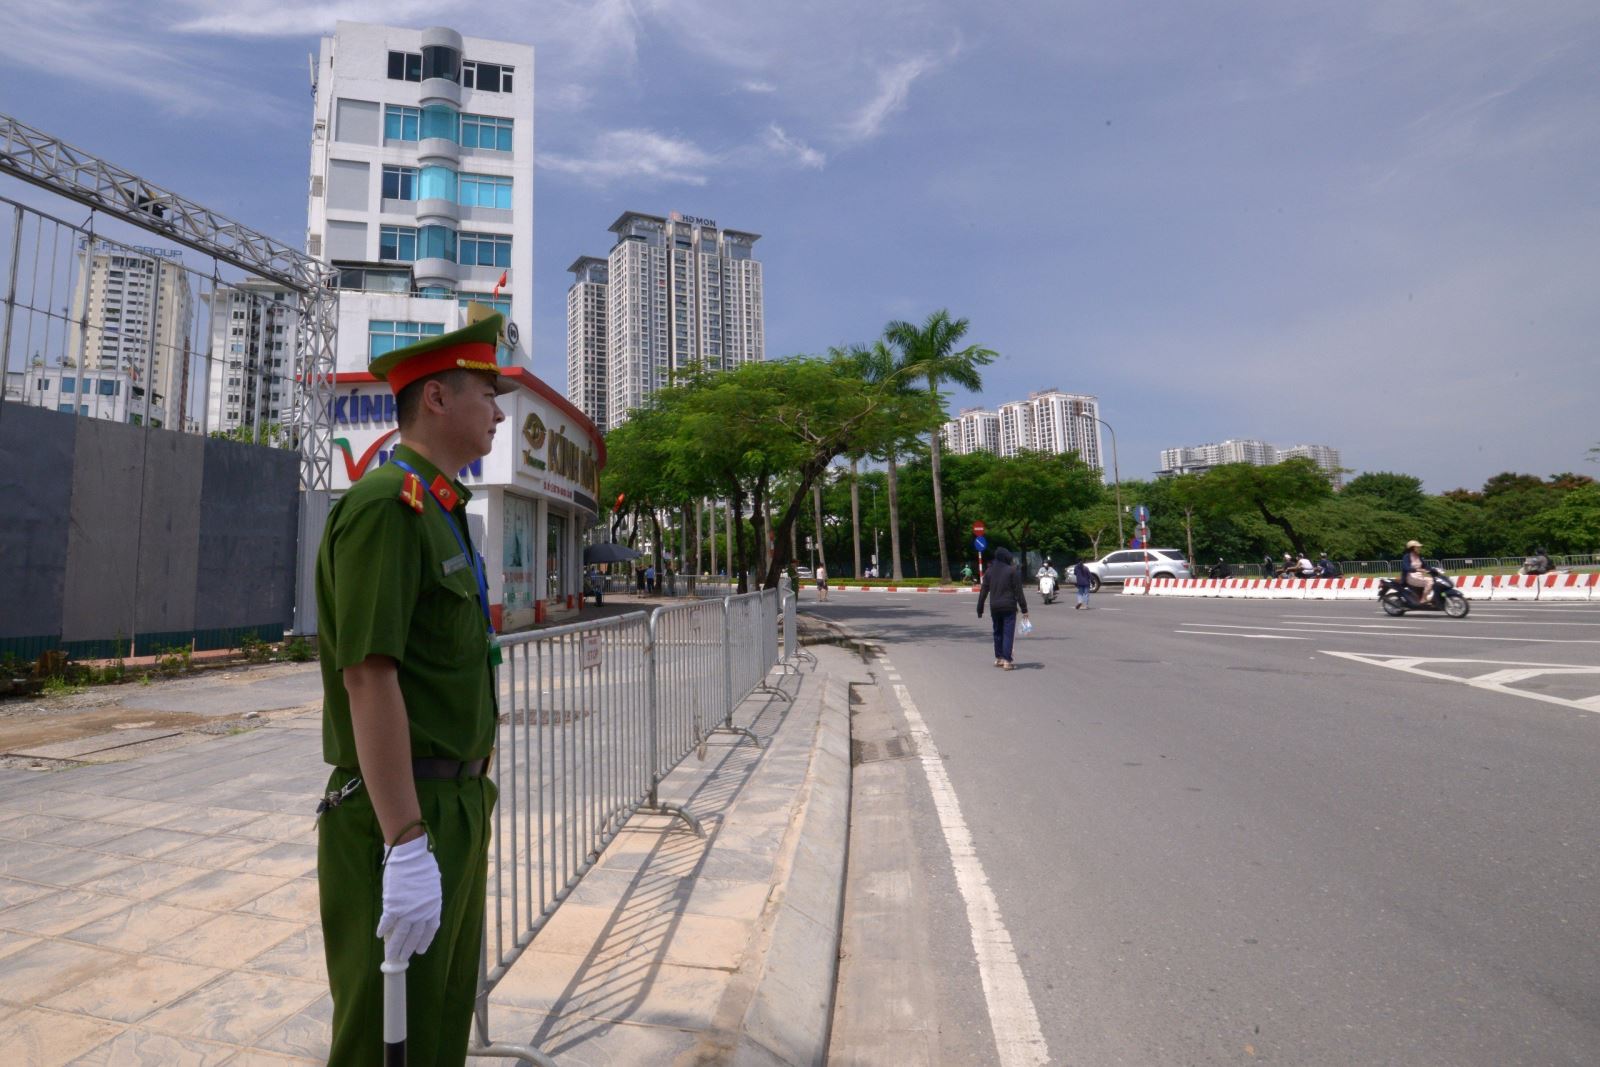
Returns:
<point x="822" y="583"/>
<point x="597" y="587"/>
<point x="650" y="579"/>
<point x="638" y="580"/>
<point x="1002" y="588"/>
<point x="1081" y="579"/>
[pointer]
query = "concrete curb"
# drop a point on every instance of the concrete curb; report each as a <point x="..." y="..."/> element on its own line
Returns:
<point x="777" y="1010"/>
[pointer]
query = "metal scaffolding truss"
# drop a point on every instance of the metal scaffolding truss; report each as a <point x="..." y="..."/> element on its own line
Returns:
<point x="52" y="164"/>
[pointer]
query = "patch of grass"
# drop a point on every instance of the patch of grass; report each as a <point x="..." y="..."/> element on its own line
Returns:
<point x="299" y="651"/>
<point x="57" y="685"/>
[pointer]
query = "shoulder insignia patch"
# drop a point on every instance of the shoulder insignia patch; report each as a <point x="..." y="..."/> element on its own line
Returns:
<point x="441" y="489"/>
<point x="411" y="492"/>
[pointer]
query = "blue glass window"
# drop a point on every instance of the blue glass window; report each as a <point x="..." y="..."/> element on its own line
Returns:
<point x="110" y="388"/>
<point x="69" y="385"/>
<point x="65" y="409"/>
<point x="400" y="123"/>
<point x="486" y="131"/>
<point x="485" y="190"/>
<point x="399" y="183"/>
<point x="501" y="304"/>
<point x="398" y="243"/>
<point x="436" y="242"/>
<point x="436" y="292"/>
<point x="384" y="336"/>
<point x="438" y="183"/>
<point x="439" y="121"/>
<point x="486" y="250"/>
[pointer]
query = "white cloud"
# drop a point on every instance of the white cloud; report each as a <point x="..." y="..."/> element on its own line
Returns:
<point x="116" y="47"/>
<point x="752" y="86"/>
<point x="635" y="155"/>
<point x="274" y="18"/>
<point x="786" y="147"/>
<point x="894" y="86"/>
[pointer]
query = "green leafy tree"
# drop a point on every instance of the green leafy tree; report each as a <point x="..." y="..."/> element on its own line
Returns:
<point x="931" y="352"/>
<point x="1034" y="500"/>
<point x="1395" y="492"/>
<point x="1573" y="525"/>
<point x="1270" y="492"/>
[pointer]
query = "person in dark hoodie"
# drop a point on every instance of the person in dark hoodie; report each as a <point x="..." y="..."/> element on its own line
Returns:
<point x="1002" y="588"/>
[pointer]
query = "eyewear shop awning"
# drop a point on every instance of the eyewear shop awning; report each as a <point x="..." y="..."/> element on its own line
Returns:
<point x="532" y="497"/>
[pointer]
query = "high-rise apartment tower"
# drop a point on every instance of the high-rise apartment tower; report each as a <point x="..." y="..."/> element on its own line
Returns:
<point x="681" y="292"/>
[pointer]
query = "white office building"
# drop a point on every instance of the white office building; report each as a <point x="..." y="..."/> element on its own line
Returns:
<point x="137" y="308"/>
<point x="586" y="338"/>
<point x="422" y="198"/>
<point x="101" y="393"/>
<point x="973" y="430"/>
<point x="681" y="291"/>
<point x="1324" y="457"/>
<point x="1196" y="459"/>
<point x="251" y="378"/>
<point x="421" y="188"/>
<point x="1050" y="421"/>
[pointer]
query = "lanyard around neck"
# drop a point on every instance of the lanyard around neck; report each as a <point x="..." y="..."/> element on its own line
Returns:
<point x="473" y="560"/>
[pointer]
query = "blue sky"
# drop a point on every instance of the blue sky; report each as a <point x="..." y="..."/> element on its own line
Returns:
<point x="1366" y="224"/>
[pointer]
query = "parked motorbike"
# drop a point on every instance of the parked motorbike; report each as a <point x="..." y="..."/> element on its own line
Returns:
<point x="1047" y="588"/>
<point x="1398" y="598"/>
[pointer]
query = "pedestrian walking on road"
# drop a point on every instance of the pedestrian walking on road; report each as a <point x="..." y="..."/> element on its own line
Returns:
<point x="1002" y="588"/>
<point x="1081" y="579"/>
<point x="409" y="711"/>
<point x="822" y="583"/>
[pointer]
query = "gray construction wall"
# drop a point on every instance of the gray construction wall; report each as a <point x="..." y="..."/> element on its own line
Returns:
<point x="157" y="536"/>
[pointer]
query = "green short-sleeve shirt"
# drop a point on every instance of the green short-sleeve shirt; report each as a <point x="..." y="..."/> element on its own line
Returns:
<point x="392" y="581"/>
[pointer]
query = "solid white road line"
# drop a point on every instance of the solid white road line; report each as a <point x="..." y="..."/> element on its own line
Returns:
<point x="1374" y="631"/>
<point x="1498" y="621"/>
<point x="1260" y="637"/>
<point x="1017" y="1037"/>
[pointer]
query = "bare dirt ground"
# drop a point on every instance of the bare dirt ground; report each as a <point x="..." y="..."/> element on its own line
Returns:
<point x="202" y="704"/>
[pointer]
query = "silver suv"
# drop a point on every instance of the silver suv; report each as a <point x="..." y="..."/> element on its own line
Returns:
<point x="1117" y="567"/>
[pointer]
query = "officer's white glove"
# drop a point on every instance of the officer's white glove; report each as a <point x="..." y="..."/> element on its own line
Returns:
<point x="413" y="897"/>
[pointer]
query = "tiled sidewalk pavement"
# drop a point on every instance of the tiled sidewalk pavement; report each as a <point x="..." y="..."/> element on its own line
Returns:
<point x="162" y="910"/>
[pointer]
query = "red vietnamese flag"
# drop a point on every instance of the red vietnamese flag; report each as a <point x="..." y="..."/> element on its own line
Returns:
<point x="501" y="284"/>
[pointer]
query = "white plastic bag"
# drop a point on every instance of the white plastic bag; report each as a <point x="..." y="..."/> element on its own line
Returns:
<point x="1025" y="627"/>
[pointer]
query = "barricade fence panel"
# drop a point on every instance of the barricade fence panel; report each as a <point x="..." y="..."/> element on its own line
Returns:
<point x="690" y="672"/>
<point x="591" y="717"/>
<point x="572" y="763"/>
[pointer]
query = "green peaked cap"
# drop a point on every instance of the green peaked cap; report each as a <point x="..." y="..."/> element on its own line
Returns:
<point x="470" y="348"/>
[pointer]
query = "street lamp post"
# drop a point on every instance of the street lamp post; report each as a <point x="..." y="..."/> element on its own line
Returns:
<point x="874" y="489"/>
<point x="1116" y="475"/>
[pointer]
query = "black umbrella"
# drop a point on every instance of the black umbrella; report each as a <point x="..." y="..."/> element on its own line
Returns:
<point x="609" y="552"/>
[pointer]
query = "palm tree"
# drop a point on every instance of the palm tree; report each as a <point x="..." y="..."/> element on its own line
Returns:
<point x="880" y="367"/>
<point x="929" y="351"/>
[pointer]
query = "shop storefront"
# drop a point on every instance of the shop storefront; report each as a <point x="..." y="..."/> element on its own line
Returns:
<point x="533" y="496"/>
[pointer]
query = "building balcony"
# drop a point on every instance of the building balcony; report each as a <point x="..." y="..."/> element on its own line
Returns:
<point x="441" y="91"/>
<point x="440" y="150"/>
<point x="438" y="211"/>
<point x="435" y="272"/>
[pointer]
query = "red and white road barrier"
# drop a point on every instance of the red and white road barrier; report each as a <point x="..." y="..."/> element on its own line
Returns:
<point x="843" y="587"/>
<point x="1516" y="587"/>
<point x="1571" y="586"/>
<point x="1581" y="586"/>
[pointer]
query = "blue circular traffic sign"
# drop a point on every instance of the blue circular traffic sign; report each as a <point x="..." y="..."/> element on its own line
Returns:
<point x="980" y="543"/>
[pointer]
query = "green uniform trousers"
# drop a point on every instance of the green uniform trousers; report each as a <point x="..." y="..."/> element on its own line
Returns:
<point x="442" y="982"/>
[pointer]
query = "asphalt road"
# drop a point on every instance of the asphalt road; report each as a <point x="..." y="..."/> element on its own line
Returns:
<point x="1270" y="832"/>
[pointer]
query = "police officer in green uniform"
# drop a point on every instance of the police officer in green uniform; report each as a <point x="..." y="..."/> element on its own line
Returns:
<point x="409" y="711"/>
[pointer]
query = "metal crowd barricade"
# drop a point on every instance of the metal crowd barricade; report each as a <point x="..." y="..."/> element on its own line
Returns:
<point x="592" y="717"/>
<point x="687" y="684"/>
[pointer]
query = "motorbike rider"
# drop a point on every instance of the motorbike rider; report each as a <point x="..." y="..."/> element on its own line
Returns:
<point x="1047" y="571"/>
<point x="1220" y="570"/>
<point x="1414" y="571"/>
<point x="1304" y="568"/>
<point x="1538" y="563"/>
<point x="1327" y="568"/>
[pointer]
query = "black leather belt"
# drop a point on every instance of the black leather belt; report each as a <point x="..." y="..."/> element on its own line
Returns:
<point x="432" y="767"/>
